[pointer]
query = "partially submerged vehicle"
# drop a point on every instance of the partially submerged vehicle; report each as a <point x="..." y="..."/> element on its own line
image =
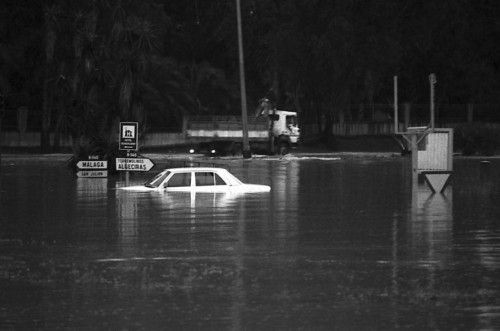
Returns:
<point x="197" y="180"/>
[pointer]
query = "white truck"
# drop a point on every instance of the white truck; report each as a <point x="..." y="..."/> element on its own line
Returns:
<point x="276" y="131"/>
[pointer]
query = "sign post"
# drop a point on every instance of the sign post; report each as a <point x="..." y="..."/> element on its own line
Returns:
<point x="92" y="168"/>
<point x="129" y="140"/>
<point x="133" y="164"/>
<point x="128" y="164"/>
<point x="434" y="160"/>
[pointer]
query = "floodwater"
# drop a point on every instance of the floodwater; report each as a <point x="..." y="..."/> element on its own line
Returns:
<point x="339" y="243"/>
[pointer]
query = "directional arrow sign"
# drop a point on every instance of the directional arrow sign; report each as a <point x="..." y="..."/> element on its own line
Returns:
<point x="92" y="164"/>
<point x="92" y="173"/>
<point x="132" y="164"/>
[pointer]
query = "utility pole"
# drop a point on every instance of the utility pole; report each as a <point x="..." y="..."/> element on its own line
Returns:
<point x="432" y="82"/>
<point x="2" y="111"/>
<point x="244" y="117"/>
<point x="396" y="118"/>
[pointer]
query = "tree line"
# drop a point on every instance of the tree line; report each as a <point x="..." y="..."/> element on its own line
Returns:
<point x="83" y="66"/>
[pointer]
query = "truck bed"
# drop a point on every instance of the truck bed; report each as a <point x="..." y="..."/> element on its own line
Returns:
<point x="225" y="127"/>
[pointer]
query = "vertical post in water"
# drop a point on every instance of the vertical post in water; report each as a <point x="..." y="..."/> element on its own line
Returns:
<point x="414" y="159"/>
<point x="432" y="82"/>
<point x="396" y="120"/>
<point x="406" y="116"/>
<point x="244" y="118"/>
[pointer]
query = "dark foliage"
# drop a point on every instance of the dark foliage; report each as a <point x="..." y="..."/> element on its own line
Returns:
<point x="477" y="139"/>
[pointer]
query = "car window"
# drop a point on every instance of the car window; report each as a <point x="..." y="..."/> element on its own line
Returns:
<point x="179" y="179"/>
<point x="204" y="178"/>
<point x="219" y="181"/>
<point x="208" y="178"/>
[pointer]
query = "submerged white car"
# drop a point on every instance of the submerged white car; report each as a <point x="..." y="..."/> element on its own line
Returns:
<point x="197" y="180"/>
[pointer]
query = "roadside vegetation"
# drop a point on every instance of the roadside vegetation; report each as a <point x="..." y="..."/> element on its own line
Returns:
<point x="477" y="139"/>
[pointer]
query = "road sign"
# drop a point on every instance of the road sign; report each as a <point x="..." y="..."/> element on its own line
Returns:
<point x="132" y="154"/>
<point x="437" y="180"/>
<point x="92" y="174"/>
<point x="132" y="164"/>
<point x="92" y="164"/>
<point x="129" y="136"/>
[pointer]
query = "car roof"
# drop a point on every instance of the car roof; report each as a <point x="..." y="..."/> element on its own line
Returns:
<point x="224" y="173"/>
<point x="286" y="112"/>
<point x="191" y="169"/>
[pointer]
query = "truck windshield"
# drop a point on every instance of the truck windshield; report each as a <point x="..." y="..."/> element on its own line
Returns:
<point x="157" y="180"/>
<point x="291" y="120"/>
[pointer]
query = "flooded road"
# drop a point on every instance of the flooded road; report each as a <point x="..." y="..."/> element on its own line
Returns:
<point x="337" y="244"/>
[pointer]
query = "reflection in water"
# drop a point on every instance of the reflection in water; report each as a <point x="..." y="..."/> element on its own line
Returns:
<point x="187" y="209"/>
<point x="430" y="226"/>
<point x="127" y="216"/>
<point x="430" y="229"/>
<point x="285" y="183"/>
<point x="91" y="189"/>
<point x="196" y="210"/>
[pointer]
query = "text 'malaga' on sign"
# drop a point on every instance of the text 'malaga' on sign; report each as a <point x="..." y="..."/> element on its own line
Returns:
<point x="92" y="164"/>
<point x="128" y="136"/>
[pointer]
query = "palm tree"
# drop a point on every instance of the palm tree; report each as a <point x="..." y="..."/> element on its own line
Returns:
<point x="118" y="73"/>
<point x="50" y="36"/>
<point x="5" y="64"/>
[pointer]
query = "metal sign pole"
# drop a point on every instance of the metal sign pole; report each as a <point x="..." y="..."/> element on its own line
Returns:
<point x="129" y="141"/>
<point x="414" y="159"/>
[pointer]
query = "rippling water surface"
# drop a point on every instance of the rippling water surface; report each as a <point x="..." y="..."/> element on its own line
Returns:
<point x="337" y="244"/>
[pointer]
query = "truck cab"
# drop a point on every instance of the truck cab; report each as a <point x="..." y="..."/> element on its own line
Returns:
<point x="285" y="125"/>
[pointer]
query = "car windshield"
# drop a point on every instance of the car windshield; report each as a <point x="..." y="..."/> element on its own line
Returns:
<point x="157" y="180"/>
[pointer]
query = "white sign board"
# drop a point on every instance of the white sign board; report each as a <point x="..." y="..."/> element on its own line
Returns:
<point x="436" y="151"/>
<point x="92" y="164"/>
<point x="92" y="174"/>
<point x="129" y="136"/>
<point x="132" y="164"/>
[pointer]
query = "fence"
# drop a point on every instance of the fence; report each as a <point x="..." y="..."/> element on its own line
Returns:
<point x="13" y="139"/>
<point x="361" y="120"/>
<point x="378" y="120"/>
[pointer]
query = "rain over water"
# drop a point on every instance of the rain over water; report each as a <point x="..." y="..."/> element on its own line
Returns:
<point x="338" y="243"/>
